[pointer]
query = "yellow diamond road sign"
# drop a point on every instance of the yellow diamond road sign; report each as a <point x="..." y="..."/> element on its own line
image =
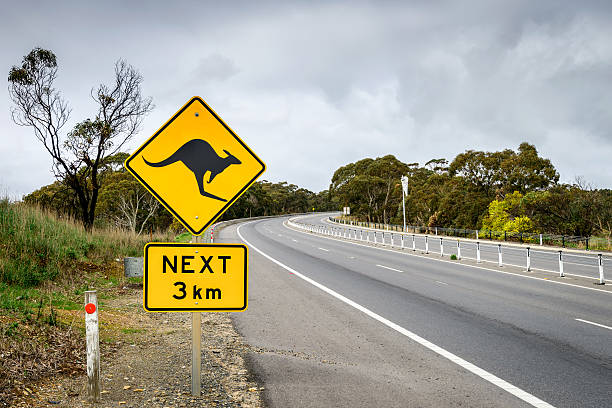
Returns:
<point x="195" y="277"/>
<point x="195" y="165"/>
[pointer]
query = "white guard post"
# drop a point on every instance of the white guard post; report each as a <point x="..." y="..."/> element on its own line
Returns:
<point x="601" y="272"/>
<point x="499" y="256"/>
<point x="93" y="345"/>
<point x="528" y="260"/>
<point x="561" y="275"/>
<point x="413" y="243"/>
<point x="426" y="245"/>
<point x="477" y="252"/>
<point x="441" y="247"/>
<point x="458" y="249"/>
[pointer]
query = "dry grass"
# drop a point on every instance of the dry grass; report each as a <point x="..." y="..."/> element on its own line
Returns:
<point x="46" y="263"/>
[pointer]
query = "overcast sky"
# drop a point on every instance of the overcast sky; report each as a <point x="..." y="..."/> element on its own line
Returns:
<point x="313" y="85"/>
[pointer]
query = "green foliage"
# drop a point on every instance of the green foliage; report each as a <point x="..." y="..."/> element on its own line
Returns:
<point x="512" y="191"/>
<point x="370" y="187"/>
<point x="453" y="257"/>
<point x="508" y="215"/>
<point x="36" y="246"/>
<point x="266" y="198"/>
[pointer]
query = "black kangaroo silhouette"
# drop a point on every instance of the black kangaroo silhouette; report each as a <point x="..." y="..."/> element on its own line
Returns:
<point x="199" y="157"/>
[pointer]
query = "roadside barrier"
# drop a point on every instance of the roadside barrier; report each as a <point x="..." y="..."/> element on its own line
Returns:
<point x="515" y="255"/>
<point x="522" y="237"/>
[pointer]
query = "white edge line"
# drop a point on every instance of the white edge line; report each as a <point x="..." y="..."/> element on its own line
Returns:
<point x="493" y="379"/>
<point x="451" y="262"/>
<point x="443" y="283"/>
<point x="323" y="249"/>
<point x="595" y="324"/>
<point x="388" y="267"/>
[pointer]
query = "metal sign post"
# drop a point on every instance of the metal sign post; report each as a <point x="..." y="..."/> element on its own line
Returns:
<point x="196" y="345"/>
<point x="404" y="194"/>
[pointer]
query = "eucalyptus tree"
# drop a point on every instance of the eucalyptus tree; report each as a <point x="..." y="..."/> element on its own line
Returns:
<point x="77" y="155"/>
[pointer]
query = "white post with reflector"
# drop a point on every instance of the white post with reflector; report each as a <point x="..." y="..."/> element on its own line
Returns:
<point x="601" y="272"/>
<point x="441" y="247"/>
<point x="426" y="245"/>
<point x="528" y="260"/>
<point x="477" y="252"/>
<point x="499" y="256"/>
<point x="561" y="274"/>
<point x="458" y="249"/>
<point x="93" y="345"/>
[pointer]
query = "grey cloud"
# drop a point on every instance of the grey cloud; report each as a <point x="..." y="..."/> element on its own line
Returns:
<point x="333" y="82"/>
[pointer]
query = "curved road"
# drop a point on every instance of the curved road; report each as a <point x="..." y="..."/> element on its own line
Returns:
<point x="334" y="323"/>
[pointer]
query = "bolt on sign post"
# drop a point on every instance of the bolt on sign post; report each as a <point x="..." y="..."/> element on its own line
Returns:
<point x="197" y="167"/>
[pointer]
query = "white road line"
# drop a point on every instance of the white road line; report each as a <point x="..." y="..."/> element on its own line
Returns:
<point x="294" y="240"/>
<point x="451" y="262"/>
<point x="443" y="283"/>
<point x="391" y="269"/>
<point x="506" y="386"/>
<point x="323" y="249"/>
<point x="595" y="324"/>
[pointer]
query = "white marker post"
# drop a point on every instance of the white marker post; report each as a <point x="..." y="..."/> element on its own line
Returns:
<point x="458" y="249"/>
<point x="477" y="252"/>
<point x="402" y="244"/>
<point x="601" y="273"/>
<point x="499" y="256"/>
<point x="528" y="260"/>
<point x="413" y="243"/>
<point x="93" y="345"/>
<point x="441" y="248"/>
<point x="196" y="346"/>
<point x="426" y="245"/>
<point x="561" y="275"/>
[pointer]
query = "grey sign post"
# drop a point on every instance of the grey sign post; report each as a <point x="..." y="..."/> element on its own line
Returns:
<point x="404" y="194"/>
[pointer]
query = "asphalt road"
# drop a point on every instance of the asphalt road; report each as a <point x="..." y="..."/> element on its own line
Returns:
<point x="312" y="348"/>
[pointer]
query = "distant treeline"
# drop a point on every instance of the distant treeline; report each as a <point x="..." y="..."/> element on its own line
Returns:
<point x="124" y="203"/>
<point x="514" y="191"/>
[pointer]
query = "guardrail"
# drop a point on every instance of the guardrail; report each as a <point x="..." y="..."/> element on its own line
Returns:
<point x="522" y="256"/>
<point x="522" y="237"/>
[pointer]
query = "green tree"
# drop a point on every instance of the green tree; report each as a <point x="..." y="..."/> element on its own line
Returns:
<point x="370" y="187"/>
<point x="78" y="155"/>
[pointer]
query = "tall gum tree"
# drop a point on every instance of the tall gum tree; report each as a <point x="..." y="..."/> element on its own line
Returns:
<point x="78" y="155"/>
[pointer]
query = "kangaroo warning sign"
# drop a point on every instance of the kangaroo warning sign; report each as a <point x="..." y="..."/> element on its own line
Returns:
<point x="195" y="165"/>
<point x="195" y="277"/>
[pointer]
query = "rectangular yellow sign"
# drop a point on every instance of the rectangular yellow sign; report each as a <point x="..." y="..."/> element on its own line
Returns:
<point x="195" y="277"/>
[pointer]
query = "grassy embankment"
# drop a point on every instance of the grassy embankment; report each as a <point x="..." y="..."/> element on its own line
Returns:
<point x="46" y="264"/>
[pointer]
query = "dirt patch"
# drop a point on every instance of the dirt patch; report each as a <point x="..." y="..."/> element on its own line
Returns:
<point x="146" y="362"/>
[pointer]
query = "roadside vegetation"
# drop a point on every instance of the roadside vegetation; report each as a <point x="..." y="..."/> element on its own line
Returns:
<point x="46" y="264"/>
<point x="507" y="192"/>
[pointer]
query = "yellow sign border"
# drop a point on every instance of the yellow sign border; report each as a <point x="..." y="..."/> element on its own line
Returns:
<point x="161" y="200"/>
<point x="192" y="309"/>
